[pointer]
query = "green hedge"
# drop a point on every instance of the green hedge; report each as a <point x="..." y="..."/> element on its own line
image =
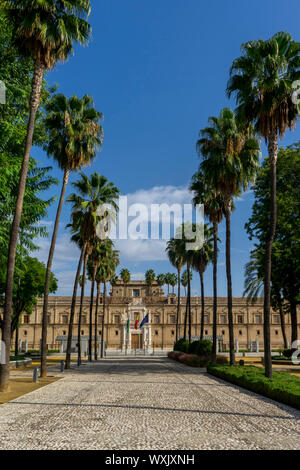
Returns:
<point x="283" y="387"/>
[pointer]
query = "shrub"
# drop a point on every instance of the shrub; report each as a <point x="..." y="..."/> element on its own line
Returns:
<point x="222" y="360"/>
<point x="288" y="353"/>
<point x="193" y="360"/>
<point x="204" y="347"/>
<point x="181" y="345"/>
<point x="193" y="347"/>
<point x="283" y="387"/>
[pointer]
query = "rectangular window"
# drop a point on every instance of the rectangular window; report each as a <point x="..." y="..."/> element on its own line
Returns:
<point x="26" y="319"/>
<point x="276" y="318"/>
<point x="240" y="319"/>
<point x="258" y="318"/>
<point x="83" y="320"/>
<point x="206" y="319"/>
<point x="65" y="319"/>
<point x="156" y="318"/>
<point x="172" y="318"/>
<point x="223" y="319"/>
<point x="117" y="318"/>
<point x="136" y="292"/>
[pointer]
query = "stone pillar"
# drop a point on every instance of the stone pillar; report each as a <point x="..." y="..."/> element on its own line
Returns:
<point x="237" y="346"/>
<point x="26" y="345"/>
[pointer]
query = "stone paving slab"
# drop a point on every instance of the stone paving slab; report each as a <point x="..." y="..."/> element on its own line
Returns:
<point x="145" y="403"/>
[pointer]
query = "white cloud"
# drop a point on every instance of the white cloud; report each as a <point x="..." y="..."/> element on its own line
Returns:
<point x="142" y="250"/>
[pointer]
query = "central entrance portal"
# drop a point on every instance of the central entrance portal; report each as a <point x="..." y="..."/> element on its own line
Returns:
<point x="136" y="341"/>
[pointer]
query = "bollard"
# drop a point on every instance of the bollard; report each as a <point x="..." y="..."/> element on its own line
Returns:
<point x="36" y="371"/>
<point x="62" y="366"/>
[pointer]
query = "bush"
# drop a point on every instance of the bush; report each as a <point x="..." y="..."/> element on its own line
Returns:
<point x="222" y="360"/>
<point x="204" y="348"/>
<point x="283" y="387"/>
<point x="288" y="353"/>
<point x="181" y="345"/>
<point x="193" y="360"/>
<point x="193" y="347"/>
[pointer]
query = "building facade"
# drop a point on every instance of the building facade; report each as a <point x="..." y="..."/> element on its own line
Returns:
<point x="127" y="305"/>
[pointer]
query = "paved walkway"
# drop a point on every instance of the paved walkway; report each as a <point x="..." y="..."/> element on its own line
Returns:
<point x="145" y="403"/>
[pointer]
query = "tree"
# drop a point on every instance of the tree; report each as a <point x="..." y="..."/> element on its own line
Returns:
<point x="175" y="255"/>
<point x="201" y="258"/>
<point x="168" y="280"/>
<point x="213" y="210"/>
<point x="262" y="80"/>
<point x="125" y="276"/>
<point x="28" y="287"/>
<point x="44" y="30"/>
<point x="285" y="273"/>
<point x="150" y="278"/>
<point x="230" y="156"/>
<point x="160" y="279"/>
<point x="92" y="194"/>
<point x="75" y="134"/>
<point x="174" y="281"/>
<point x="105" y="272"/>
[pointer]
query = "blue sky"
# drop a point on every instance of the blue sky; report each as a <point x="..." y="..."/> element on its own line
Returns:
<point x="157" y="70"/>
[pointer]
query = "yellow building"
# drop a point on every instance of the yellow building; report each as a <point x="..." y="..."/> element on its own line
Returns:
<point x="133" y="301"/>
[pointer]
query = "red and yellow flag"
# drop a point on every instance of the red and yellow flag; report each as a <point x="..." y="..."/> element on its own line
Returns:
<point x="137" y="321"/>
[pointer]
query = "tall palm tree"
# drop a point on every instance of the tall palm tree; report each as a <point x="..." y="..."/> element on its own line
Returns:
<point x="105" y="272"/>
<point x="262" y="80"/>
<point x="168" y="279"/>
<point x="108" y="262"/>
<point x="201" y="258"/>
<point x="230" y="161"/>
<point x="125" y="276"/>
<point x="92" y="193"/>
<point x="213" y="210"/>
<point x="184" y="280"/>
<point x="150" y="278"/>
<point x="93" y="264"/>
<point x="44" y="30"/>
<point x="175" y="255"/>
<point x="75" y="134"/>
<point x="174" y="280"/>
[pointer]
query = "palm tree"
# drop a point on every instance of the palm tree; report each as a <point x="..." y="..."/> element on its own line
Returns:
<point x="93" y="264"/>
<point x="174" y="280"/>
<point x="160" y="279"/>
<point x="175" y="255"/>
<point x="75" y="133"/>
<point x="213" y="210"/>
<point x="93" y="193"/>
<point x="230" y="162"/>
<point x="168" y="280"/>
<point x="262" y="80"/>
<point x="150" y="278"/>
<point x="108" y="262"/>
<point x="125" y="276"/>
<point x="254" y="286"/>
<point x="201" y="258"/>
<point x="105" y="272"/>
<point x="44" y="30"/>
<point x="184" y="280"/>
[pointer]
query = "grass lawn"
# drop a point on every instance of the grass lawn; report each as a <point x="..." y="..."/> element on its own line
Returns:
<point x="283" y="387"/>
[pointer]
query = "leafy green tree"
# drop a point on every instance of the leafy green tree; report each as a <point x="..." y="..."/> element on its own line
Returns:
<point x="45" y="31"/>
<point x="230" y="159"/>
<point x="28" y="288"/>
<point x="262" y="80"/>
<point x="74" y="136"/>
<point x="160" y="279"/>
<point x="285" y="274"/>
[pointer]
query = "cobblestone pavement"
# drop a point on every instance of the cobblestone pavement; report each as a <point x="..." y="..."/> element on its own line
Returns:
<point x="145" y="403"/>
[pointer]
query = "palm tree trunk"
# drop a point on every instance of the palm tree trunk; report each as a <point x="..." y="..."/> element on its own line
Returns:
<point x="273" y="151"/>
<point x="80" y="309"/>
<point x="17" y="341"/>
<point x="48" y="275"/>
<point x="73" y="305"/>
<point x="282" y="324"/>
<point x="229" y="282"/>
<point x="202" y="305"/>
<point x="294" y="322"/>
<point x="37" y="81"/>
<point x="91" y="316"/>
<point x="178" y="305"/>
<point x="189" y="297"/>
<point x="215" y="292"/>
<point x="96" y="320"/>
<point x="102" y="332"/>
